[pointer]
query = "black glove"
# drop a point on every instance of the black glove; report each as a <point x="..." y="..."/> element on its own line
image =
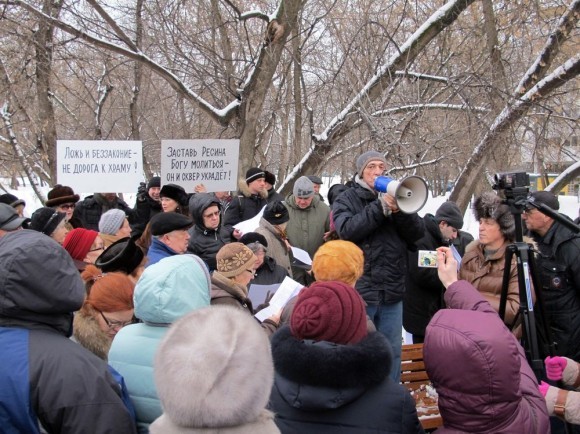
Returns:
<point x="142" y="189"/>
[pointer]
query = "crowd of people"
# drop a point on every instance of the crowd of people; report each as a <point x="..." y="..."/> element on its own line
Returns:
<point x="119" y="319"/>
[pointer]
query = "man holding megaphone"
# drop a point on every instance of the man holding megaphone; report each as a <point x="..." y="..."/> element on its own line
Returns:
<point x="384" y="224"/>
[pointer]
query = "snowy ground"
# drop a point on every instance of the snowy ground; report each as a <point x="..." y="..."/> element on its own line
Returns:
<point x="569" y="205"/>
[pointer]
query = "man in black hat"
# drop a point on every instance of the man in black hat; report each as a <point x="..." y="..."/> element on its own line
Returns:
<point x="147" y="204"/>
<point x="252" y="197"/>
<point x="317" y="181"/>
<point x="170" y="236"/>
<point x="10" y="221"/>
<point x="559" y="268"/>
<point x="89" y="210"/>
<point x="424" y="291"/>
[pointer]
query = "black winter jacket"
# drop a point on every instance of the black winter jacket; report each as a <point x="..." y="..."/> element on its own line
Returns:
<point x="559" y="269"/>
<point x="243" y="207"/>
<point x="322" y="387"/>
<point x="89" y="211"/>
<point x="424" y="292"/>
<point x="358" y="217"/>
<point x="269" y="273"/>
<point x="204" y="242"/>
<point x="145" y="209"/>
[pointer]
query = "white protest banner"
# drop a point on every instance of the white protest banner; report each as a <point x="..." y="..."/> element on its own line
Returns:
<point x="213" y="163"/>
<point x="102" y="166"/>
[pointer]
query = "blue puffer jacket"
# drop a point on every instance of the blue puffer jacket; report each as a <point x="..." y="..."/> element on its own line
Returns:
<point x="166" y="291"/>
<point x="358" y="217"/>
<point x="157" y="251"/>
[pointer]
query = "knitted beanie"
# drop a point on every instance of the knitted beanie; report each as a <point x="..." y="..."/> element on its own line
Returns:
<point x="303" y="188"/>
<point x="10" y="199"/>
<point x="489" y="205"/>
<point x="338" y="260"/>
<point x="78" y="242"/>
<point x="154" y="181"/>
<point x="46" y="220"/>
<point x="213" y="371"/>
<point x="449" y="212"/>
<point x="269" y="177"/>
<point x="276" y="213"/>
<point x="235" y="258"/>
<point x="366" y="158"/>
<point x="329" y="311"/>
<point x="175" y="192"/>
<point x="61" y="194"/>
<point x="254" y="173"/>
<point x="111" y="221"/>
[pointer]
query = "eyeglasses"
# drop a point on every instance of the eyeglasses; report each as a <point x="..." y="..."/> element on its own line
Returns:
<point x="252" y="272"/>
<point x="116" y="325"/>
<point x="96" y="249"/>
<point x="213" y="214"/>
<point x="67" y="206"/>
<point x="529" y="211"/>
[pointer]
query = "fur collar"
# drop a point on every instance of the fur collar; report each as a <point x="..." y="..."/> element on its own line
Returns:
<point x="245" y="191"/>
<point x="87" y="332"/>
<point x="366" y="363"/>
<point x="220" y="282"/>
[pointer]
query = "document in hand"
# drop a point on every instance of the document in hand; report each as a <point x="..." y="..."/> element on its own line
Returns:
<point x="288" y="288"/>
<point x="258" y="293"/>
<point x="250" y="225"/>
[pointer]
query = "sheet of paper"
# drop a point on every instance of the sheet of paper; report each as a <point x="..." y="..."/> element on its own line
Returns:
<point x="258" y="293"/>
<point x="456" y="255"/>
<point x="288" y="288"/>
<point x="301" y="255"/>
<point x="250" y="225"/>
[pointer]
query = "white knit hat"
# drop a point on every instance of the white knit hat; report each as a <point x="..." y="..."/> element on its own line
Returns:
<point x="111" y="221"/>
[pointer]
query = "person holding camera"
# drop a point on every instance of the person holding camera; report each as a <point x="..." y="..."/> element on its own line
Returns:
<point x="373" y="222"/>
<point x="424" y="294"/>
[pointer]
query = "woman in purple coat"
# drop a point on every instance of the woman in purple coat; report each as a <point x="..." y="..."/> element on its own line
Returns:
<point x="478" y="368"/>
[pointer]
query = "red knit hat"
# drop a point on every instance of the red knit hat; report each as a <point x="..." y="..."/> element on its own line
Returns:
<point x="78" y="242"/>
<point x="329" y="311"/>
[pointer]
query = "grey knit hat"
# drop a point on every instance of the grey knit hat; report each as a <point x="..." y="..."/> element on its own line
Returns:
<point x="366" y="158"/>
<point x="489" y="205"/>
<point x="111" y="221"/>
<point x="303" y="188"/>
<point x="449" y="212"/>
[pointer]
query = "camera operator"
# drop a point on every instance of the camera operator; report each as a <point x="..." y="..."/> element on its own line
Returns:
<point x="559" y="270"/>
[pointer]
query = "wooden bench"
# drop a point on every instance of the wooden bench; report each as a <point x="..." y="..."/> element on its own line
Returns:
<point x="415" y="378"/>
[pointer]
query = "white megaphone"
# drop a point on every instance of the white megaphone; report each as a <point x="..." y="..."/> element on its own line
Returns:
<point x="410" y="192"/>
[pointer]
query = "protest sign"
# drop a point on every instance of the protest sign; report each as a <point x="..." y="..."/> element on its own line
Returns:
<point x="105" y="166"/>
<point x="213" y="163"/>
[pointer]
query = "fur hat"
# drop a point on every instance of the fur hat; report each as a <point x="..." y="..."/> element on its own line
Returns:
<point x="10" y="199"/>
<point x="175" y="192"/>
<point x="546" y="198"/>
<point x="338" y="260"/>
<point x="329" y="311"/>
<point x="123" y="255"/>
<point x="111" y="221"/>
<point x="276" y="213"/>
<point x="154" y="181"/>
<point x="254" y="173"/>
<point x="235" y="258"/>
<point x="61" y="194"/>
<point x="303" y="188"/>
<point x="78" y="242"/>
<point x="213" y="369"/>
<point x="489" y="205"/>
<point x="269" y="177"/>
<point x="46" y="220"/>
<point x="165" y="222"/>
<point x="366" y="158"/>
<point x="449" y="212"/>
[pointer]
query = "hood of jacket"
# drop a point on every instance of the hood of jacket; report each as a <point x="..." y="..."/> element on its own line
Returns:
<point x="245" y="191"/>
<point x="39" y="283"/>
<point x="197" y="206"/>
<point x="322" y="375"/>
<point x="474" y="365"/>
<point x="171" y="288"/>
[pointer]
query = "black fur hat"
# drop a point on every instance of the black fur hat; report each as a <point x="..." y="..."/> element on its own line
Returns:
<point x="489" y="205"/>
